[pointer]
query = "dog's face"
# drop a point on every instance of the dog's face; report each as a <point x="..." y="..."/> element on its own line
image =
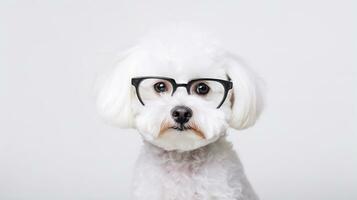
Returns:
<point x="179" y="92"/>
<point x="183" y="117"/>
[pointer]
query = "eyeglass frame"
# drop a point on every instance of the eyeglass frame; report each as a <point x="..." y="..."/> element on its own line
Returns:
<point x="227" y="84"/>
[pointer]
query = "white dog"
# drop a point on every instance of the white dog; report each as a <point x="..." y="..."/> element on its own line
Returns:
<point x="182" y="92"/>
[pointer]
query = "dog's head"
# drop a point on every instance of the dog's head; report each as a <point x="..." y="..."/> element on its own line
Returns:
<point x="180" y="90"/>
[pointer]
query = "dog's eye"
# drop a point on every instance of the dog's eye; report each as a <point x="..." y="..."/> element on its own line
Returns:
<point x="160" y="87"/>
<point x="202" y="89"/>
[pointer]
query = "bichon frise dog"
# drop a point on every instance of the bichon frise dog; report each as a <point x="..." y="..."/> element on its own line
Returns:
<point x="181" y="91"/>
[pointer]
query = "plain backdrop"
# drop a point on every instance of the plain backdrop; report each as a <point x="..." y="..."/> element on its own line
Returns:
<point x="54" y="146"/>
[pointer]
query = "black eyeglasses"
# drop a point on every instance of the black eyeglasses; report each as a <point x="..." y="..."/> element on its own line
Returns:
<point x="151" y="88"/>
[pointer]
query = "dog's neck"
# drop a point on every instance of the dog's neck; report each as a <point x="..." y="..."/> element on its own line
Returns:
<point x="185" y="160"/>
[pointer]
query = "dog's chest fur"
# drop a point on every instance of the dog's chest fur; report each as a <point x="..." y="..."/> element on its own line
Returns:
<point x="210" y="172"/>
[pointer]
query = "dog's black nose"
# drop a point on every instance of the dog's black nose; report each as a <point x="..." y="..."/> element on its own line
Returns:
<point x="181" y="114"/>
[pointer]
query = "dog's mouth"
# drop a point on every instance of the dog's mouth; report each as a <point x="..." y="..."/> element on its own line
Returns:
<point x="181" y="128"/>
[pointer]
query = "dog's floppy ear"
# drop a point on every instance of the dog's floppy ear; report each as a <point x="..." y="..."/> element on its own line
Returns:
<point x="247" y="97"/>
<point x="114" y="93"/>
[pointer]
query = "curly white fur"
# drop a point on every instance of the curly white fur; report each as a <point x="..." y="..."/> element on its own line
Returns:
<point x="210" y="172"/>
<point x="174" y="165"/>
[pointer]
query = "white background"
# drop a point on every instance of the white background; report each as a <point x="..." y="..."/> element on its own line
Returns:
<point x="54" y="146"/>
